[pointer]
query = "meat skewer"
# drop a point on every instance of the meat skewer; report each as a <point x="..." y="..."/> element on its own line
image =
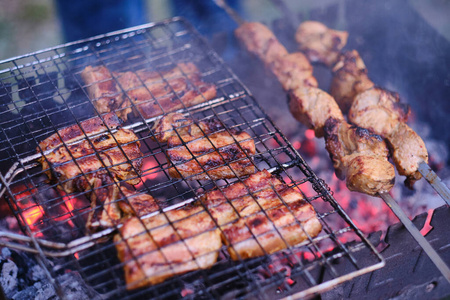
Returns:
<point x="381" y="111"/>
<point x="360" y="158"/>
<point x="373" y="108"/>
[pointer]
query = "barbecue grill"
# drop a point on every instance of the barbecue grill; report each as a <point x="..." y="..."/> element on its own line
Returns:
<point x="42" y="92"/>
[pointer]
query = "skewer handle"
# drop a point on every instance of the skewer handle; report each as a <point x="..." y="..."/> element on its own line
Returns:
<point x="435" y="181"/>
<point x="412" y="229"/>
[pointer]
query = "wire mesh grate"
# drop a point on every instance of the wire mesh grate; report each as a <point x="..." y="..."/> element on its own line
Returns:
<point x="42" y="92"/>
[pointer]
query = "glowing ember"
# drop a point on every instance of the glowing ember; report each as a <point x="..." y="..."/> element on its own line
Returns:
<point x="150" y="168"/>
<point x="427" y="226"/>
<point x="77" y="256"/>
<point x="33" y="215"/>
<point x="297" y="145"/>
<point x="310" y="134"/>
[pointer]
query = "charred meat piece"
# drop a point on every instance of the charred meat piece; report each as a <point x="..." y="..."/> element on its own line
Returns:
<point x="349" y="79"/>
<point x="319" y="43"/>
<point x="76" y="158"/>
<point x="151" y="93"/>
<point x="359" y="156"/>
<point x="204" y="149"/>
<point x="165" y="245"/>
<point x="292" y="70"/>
<point x="261" y="215"/>
<point x="380" y="111"/>
<point x="312" y="107"/>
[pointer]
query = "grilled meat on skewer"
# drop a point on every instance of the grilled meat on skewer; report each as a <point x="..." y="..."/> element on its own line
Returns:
<point x="313" y="107"/>
<point x="381" y="111"/>
<point x="261" y="215"/>
<point x="349" y="79"/>
<point x="292" y="70"/>
<point x="375" y="109"/>
<point x="204" y="149"/>
<point x="359" y="156"/>
<point x="319" y="43"/>
<point x="162" y="246"/>
<point x="151" y="93"/>
<point x="310" y="105"/>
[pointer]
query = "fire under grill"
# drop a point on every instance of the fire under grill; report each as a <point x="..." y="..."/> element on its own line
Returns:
<point x="42" y="92"/>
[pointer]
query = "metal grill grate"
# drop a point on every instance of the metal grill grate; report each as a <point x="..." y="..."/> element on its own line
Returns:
<point x="43" y="92"/>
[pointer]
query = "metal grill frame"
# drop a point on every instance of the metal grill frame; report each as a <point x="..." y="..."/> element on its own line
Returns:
<point x="279" y="155"/>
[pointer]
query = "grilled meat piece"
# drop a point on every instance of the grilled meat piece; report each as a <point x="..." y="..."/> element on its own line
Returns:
<point x="261" y="215"/>
<point x="137" y="203"/>
<point x="313" y="107"/>
<point x="359" y="156"/>
<point x="204" y="149"/>
<point x="349" y="79"/>
<point x="154" y="249"/>
<point x="292" y="70"/>
<point x="151" y="93"/>
<point x="408" y="151"/>
<point x="381" y="112"/>
<point x="319" y="43"/>
<point x="104" y="92"/>
<point x="378" y="110"/>
<point x="75" y="158"/>
<point x="261" y="42"/>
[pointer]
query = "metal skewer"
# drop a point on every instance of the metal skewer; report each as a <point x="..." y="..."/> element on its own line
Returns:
<point x="412" y="229"/>
<point x="435" y="181"/>
<point x="231" y="12"/>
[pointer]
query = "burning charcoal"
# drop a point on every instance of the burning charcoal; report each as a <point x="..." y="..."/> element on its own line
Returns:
<point x="25" y="294"/>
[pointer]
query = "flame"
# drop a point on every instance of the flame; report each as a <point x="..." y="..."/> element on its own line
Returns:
<point x="77" y="256"/>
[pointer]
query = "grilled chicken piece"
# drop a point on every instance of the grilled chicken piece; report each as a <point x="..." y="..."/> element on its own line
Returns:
<point x="154" y="249"/>
<point x="359" y="156"/>
<point x="312" y="107"/>
<point x="261" y="215"/>
<point x="319" y="43"/>
<point x="204" y="149"/>
<point x="72" y="164"/>
<point x="151" y="93"/>
<point x="137" y="203"/>
<point x="349" y="79"/>
<point x="292" y="70"/>
<point x="381" y="112"/>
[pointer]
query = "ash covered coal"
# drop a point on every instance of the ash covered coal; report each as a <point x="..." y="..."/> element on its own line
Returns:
<point x="22" y="278"/>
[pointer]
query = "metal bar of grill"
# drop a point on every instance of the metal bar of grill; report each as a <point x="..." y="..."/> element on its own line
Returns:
<point x="42" y="92"/>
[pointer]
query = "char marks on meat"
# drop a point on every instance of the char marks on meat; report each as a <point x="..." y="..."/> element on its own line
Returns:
<point x="261" y="215"/>
<point x="204" y="149"/>
<point x="146" y="93"/>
